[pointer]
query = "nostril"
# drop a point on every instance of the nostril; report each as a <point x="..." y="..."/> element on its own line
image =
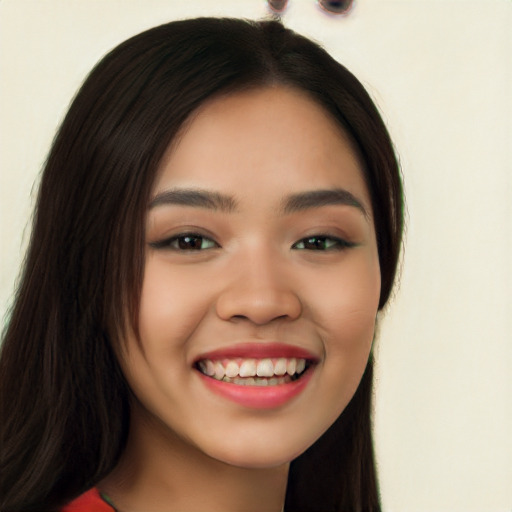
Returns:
<point x="273" y="319"/>
<point x="258" y="304"/>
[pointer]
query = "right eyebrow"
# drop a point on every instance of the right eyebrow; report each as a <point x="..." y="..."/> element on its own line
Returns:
<point x="197" y="198"/>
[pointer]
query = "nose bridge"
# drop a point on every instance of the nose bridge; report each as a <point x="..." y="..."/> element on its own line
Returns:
<point x="259" y="289"/>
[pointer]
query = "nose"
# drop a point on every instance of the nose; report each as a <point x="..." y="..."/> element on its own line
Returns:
<point x="259" y="290"/>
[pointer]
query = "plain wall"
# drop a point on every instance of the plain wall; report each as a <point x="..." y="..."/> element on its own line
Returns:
<point x="441" y="73"/>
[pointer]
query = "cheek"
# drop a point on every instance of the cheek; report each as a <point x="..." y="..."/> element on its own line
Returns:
<point x="347" y="306"/>
<point x="346" y="314"/>
<point x="171" y="306"/>
<point x="170" y="310"/>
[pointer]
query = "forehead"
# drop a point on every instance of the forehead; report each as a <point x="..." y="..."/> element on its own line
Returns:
<point x="263" y="141"/>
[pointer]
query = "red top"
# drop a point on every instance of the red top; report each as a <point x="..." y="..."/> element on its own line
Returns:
<point x="91" y="501"/>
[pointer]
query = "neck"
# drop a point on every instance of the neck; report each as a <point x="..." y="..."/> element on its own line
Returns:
<point x="160" y="472"/>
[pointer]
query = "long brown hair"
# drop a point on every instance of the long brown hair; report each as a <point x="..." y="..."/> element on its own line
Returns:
<point x="64" y="404"/>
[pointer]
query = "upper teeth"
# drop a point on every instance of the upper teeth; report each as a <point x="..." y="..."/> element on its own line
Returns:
<point x="252" y="367"/>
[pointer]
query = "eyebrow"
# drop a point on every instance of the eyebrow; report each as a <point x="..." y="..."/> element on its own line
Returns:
<point x="198" y="198"/>
<point x="217" y="201"/>
<point x="319" y="198"/>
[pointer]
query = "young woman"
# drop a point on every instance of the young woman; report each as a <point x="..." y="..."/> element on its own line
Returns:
<point x="218" y="224"/>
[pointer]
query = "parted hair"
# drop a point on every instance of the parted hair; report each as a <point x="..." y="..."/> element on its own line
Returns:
<point x="64" y="403"/>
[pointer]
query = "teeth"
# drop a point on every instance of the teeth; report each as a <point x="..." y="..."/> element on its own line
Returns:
<point x="253" y="372"/>
<point x="210" y="368"/>
<point x="250" y="381"/>
<point x="291" y="366"/>
<point x="248" y="368"/>
<point x="232" y="369"/>
<point x="280" y="366"/>
<point x="265" y="368"/>
<point x="219" y="370"/>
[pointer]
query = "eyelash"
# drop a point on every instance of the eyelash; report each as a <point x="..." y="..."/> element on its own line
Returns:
<point x="321" y="243"/>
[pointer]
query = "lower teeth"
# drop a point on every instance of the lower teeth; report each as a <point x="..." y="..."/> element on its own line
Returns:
<point x="258" y="381"/>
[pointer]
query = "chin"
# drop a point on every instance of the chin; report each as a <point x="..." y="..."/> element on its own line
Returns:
<point x="255" y="461"/>
<point x="258" y="453"/>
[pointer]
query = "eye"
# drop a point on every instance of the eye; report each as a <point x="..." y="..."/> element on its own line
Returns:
<point x="186" y="242"/>
<point x="322" y="243"/>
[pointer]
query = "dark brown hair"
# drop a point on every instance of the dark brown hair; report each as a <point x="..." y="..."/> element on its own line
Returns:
<point x="64" y="404"/>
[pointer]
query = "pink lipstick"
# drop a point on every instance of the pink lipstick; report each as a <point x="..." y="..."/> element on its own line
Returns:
<point x="257" y="375"/>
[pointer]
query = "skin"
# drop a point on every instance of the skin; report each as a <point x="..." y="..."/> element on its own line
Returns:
<point x="254" y="280"/>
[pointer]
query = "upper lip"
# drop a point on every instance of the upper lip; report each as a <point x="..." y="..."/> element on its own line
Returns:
<point x="259" y="350"/>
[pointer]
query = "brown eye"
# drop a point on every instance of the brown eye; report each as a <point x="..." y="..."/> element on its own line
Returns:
<point x="190" y="242"/>
<point x="186" y="242"/>
<point x="321" y="243"/>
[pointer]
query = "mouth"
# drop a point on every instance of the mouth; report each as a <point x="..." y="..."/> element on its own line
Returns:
<point x="261" y="375"/>
<point x="255" y="372"/>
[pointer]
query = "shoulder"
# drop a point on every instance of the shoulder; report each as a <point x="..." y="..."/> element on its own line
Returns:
<point x="91" y="501"/>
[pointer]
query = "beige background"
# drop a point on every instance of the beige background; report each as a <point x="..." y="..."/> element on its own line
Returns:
<point x="441" y="73"/>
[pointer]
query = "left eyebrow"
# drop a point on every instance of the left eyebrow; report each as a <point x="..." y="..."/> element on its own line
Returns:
<point x="318" y="198"/>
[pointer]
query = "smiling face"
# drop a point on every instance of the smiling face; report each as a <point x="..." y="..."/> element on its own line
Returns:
<point x="261" y="270"/>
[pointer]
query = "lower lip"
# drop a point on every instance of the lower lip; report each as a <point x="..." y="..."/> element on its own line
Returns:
<point x="258" y="397"/>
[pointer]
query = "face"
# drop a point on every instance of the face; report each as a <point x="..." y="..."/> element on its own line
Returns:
<point x="261" y="282"/>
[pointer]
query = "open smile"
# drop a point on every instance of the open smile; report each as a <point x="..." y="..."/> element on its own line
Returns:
<point x="254" y="372"/>
<point x="242" y="375"/>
